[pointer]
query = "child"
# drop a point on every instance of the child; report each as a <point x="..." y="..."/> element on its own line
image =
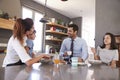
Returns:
<point x="108" y="52"/>
<point x="30" y="44"/>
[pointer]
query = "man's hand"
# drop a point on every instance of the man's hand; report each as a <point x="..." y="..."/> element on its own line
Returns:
<point x="65" y="54"/>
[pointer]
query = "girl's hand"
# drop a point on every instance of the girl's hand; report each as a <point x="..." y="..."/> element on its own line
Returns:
<point x="93" y="50"/>
<point x="113" y="64"/>
<point x="96" y="57"/>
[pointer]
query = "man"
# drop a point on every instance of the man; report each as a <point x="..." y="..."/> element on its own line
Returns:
<point x="79" y="45"/>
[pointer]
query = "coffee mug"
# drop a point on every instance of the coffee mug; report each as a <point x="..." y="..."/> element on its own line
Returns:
<point x="74" y="59"/>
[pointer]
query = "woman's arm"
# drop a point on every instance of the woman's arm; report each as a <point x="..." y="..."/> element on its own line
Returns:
<point x="24" y="57"/>
<point x="96" y="57"/>
<point x="36" y="59"/>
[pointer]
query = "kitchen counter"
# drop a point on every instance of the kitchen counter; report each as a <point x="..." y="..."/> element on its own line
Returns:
<point x="61" y="72"/>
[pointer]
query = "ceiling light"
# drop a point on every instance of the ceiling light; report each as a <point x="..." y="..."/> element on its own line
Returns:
<point x="44" y="19"/>
<point x="64" y="0"/>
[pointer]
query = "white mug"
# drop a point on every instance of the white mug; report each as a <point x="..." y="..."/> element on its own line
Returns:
<point x="74" y="59"/>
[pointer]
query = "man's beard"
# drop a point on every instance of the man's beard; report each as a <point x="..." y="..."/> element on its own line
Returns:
<point x="70" y="36"/>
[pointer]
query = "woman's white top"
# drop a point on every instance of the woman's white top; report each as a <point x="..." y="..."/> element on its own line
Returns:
<point x="15" y="52"/>
<point x="106" y="55"/>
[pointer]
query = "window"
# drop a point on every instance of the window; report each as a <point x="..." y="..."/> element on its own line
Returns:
<point x="88" y="33"/>
<point x="36" y="16"/>
<point x="88" y="30"/>
<point x="39" y="32"/>
<point x="26" y="13"/>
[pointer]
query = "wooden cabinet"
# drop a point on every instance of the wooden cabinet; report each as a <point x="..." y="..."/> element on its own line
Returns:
<point x="55" y="33"/>
<point x="6" y="24"/>
<point x="117" y="38"/>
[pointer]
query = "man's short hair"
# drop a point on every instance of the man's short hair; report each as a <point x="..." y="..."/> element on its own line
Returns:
<point x="74" y="26"/>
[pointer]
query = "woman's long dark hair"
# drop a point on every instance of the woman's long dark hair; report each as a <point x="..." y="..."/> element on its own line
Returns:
<point x="113" y="44"/>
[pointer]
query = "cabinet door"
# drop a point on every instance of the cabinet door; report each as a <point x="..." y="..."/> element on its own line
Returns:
<point x="117" y="38"/>
<point x="6" y="24"/>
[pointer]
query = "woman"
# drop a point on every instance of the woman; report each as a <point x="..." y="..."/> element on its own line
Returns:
<point x="16" y="53"/>
<point x="108" y="52"/>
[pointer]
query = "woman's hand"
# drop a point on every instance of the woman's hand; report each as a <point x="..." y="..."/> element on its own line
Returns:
<point x="36" y="59"/>
<point x="46" y="56"/>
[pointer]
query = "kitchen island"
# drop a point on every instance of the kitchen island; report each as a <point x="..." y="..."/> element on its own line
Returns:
<point x="61" y="72"/>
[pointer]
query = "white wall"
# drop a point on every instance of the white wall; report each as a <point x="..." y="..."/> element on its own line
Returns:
<point x="12" y="7"/>
<point x="88" y="30"/>
<point x="88" y="26"/>
<point x="107" y="18"/>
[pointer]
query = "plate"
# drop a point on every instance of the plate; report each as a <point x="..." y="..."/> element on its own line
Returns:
<point x="95" y="61"/>
<point x="78" y="64"/>
<point x="82" y="64"/>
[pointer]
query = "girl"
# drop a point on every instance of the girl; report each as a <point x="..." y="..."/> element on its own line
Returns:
<point x="108" y="52"/>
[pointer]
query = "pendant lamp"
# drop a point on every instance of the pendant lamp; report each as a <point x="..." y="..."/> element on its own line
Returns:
<point x="44" y="19"/>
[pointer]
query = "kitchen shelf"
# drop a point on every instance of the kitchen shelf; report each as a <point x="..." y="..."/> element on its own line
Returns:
<point x="55" y="32"/>
<point x="58" y="40"/>
<point x="56" y="25"/>
<point x="6" y="24"/>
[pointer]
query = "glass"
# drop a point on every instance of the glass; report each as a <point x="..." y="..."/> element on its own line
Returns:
<point x="56" y="59"/>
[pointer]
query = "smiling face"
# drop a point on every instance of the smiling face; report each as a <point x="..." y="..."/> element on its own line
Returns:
<point x="107" y="40"/>
<point x="71" y="33"/>
<point x="32" y="36"/>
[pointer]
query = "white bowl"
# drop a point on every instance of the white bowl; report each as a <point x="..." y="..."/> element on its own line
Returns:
<point x="81" y="63"/>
